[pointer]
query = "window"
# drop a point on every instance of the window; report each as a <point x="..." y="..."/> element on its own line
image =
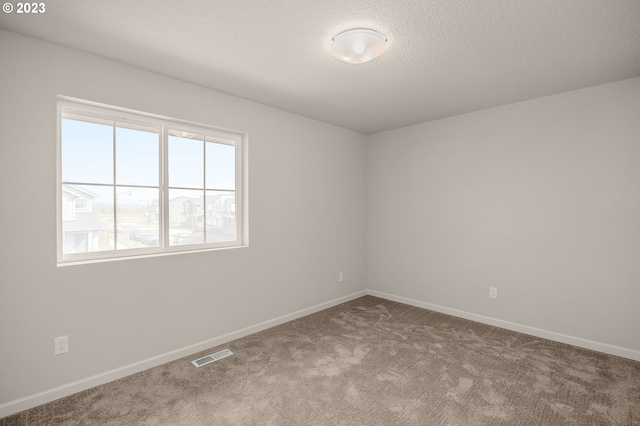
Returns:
<point x="135" y="184"/>
<point x="82" y="205"/>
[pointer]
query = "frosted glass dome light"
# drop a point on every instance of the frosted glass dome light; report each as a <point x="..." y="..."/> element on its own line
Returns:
<point x="358" y="45"/>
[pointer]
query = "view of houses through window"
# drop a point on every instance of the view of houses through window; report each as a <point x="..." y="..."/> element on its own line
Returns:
<point x="130" y="185"/>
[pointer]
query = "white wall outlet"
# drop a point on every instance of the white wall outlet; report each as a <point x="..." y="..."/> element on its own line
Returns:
<point x="340" y="277"/>
<point x="493" y="292"/>
<point x="60" y="345"/>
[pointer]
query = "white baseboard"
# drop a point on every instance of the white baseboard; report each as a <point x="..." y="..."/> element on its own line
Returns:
<point x="545" y="334"/>
<point x="40" y="398"/>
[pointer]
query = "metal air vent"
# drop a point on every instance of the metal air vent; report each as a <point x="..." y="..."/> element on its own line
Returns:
<point x="211" y="358"/>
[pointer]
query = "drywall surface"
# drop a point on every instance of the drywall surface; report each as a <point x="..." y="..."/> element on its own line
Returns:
<point x="306" y="210"/>
<point x="540" y="199"/>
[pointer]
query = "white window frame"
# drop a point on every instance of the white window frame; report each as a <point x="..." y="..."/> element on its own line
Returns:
<point x="71" y="107"/>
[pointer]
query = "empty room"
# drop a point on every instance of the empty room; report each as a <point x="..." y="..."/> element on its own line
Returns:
<point x="298" y="212"/>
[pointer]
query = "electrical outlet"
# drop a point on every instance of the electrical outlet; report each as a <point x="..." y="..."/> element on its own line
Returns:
<point x="340" y="277"/>
<point x="60" y="345"/>
<point x="493" y="292"/>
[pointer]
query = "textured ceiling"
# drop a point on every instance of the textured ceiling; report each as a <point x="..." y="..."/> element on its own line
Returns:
<point x="444" y="57"/>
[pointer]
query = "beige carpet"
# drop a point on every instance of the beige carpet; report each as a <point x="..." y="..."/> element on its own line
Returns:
<point x="369" y="361"/>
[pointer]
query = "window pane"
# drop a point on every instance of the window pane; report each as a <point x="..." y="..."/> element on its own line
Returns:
<point x="137" y="157"/>
<point x="87" y="152"/>
<point x="138" y="217"/>
<point x="221" y="166"/>
<point x="186" y="161"/>
<point x="221" y="216"/>
<point x="87" y="226"/>
<point x="186" y="217"/>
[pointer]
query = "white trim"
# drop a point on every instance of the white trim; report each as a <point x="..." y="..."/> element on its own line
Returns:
<point x="545" y="334"/>
<point x="140" y="254"/>
<point x="59" y="206"/>
<point x="44" y="397"/>
<point x="131" y="115"/>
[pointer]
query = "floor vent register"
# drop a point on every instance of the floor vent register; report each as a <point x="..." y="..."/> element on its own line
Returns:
<point x="212" y="358"/>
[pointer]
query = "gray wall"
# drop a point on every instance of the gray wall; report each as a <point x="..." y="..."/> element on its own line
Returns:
<point x="540" y="199"/>
<point x="306" y="200"/>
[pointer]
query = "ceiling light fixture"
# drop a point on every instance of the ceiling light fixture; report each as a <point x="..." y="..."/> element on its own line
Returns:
<point x="358" y="45"/>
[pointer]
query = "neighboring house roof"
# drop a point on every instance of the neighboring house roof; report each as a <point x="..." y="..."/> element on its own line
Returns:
<point x="78" y="191"/>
